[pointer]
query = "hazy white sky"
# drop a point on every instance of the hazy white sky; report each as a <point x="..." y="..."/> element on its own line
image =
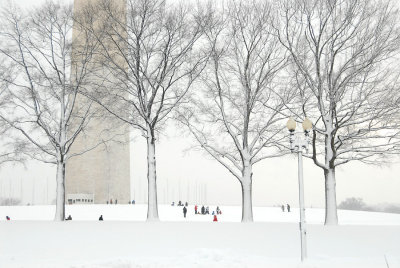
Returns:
<point x="187" y="175"/>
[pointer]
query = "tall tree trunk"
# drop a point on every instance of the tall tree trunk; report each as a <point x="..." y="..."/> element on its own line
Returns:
<point x="246" y="183"/>
<point x="331" y="217"/>
<point x="152" y="207"/>
<point x="60" y="198"/>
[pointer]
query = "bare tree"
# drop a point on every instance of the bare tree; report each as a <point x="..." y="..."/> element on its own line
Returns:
<point x="237" y="116"/>
<point x="42" y="82"/>
<point x="151" y="59"/>
<point x="343" y="58"/>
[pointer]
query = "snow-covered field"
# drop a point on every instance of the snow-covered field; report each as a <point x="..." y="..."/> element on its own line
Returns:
<point x="124" y="240"/>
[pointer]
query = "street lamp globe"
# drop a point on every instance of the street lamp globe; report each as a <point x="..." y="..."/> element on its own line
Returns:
<point x="307" y="124"/>
<point x="291" y="124"/>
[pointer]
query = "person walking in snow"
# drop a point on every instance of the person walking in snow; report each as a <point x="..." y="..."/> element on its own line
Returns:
<point x="215" y="218"/>
<point x="288" y="207"/>
<point x="101" y="218"/>
<point x="184" y="211"/>
<point x="69" y="218"/>
<point x="207" y="210"/>
<point x="186" y="203"/>
<point x="203" y="210"/>
<point x="283" y="208"/>
<point x="7" y="218"/>
<point x="195" y="209"/>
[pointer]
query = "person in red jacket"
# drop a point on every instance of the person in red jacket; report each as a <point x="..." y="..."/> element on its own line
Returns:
<point x="7" y="218"/>
<point x="215" y="218"/>
<point x="195" y="209"/>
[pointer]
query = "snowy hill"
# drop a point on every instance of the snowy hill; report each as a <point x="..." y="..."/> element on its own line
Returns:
<point x="124" y="240"/>
<point x="174" y="213"/>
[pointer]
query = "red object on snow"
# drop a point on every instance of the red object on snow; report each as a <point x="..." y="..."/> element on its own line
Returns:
<point x="215" y="218"/>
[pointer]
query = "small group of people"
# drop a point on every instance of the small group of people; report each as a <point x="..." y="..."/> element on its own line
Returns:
<point x="180" y="204"/>
<point x="116" y="202"/>
<point x="111" y="202"/>
<point x="287" y="207"/>
<point x="69" y="218"/>
<point x="206" y="210"/>
<point x="203" y="211"/>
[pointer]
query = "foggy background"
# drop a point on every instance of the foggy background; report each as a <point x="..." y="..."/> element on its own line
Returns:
<point x="191" y="175"/>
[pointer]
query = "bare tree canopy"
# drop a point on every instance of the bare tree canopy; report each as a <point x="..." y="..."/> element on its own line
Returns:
<point x="151" y="60"/>
<point x="237" y="115"/>
<point x="42" y="82"/>
<point x="11" y="150"/>
<point x="343" y="55"/>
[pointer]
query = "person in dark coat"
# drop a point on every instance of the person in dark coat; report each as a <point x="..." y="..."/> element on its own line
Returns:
<point x="186" y="204"/>
<point x="69" y="218"/>
<point x="283" y="208"/>
<point x="7" y="218"/>
<point x="203" y="210"/>
<point x="288" y="208"/>
<point x="101" y="218"/>
<point x="184" y="211"/>
<point x="173" y="203"/>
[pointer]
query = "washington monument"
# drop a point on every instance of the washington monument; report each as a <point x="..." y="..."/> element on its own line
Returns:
<point x="103" y="174"/>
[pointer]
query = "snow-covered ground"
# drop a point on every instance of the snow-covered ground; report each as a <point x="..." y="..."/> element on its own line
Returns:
<point x="124" y="240"/>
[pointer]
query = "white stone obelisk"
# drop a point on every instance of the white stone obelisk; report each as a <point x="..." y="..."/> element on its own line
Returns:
<point x="102" y="174"/>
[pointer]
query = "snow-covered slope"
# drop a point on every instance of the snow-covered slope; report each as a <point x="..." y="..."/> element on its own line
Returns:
<point x="174" y="213"/>
<point x="124" y="240"/>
